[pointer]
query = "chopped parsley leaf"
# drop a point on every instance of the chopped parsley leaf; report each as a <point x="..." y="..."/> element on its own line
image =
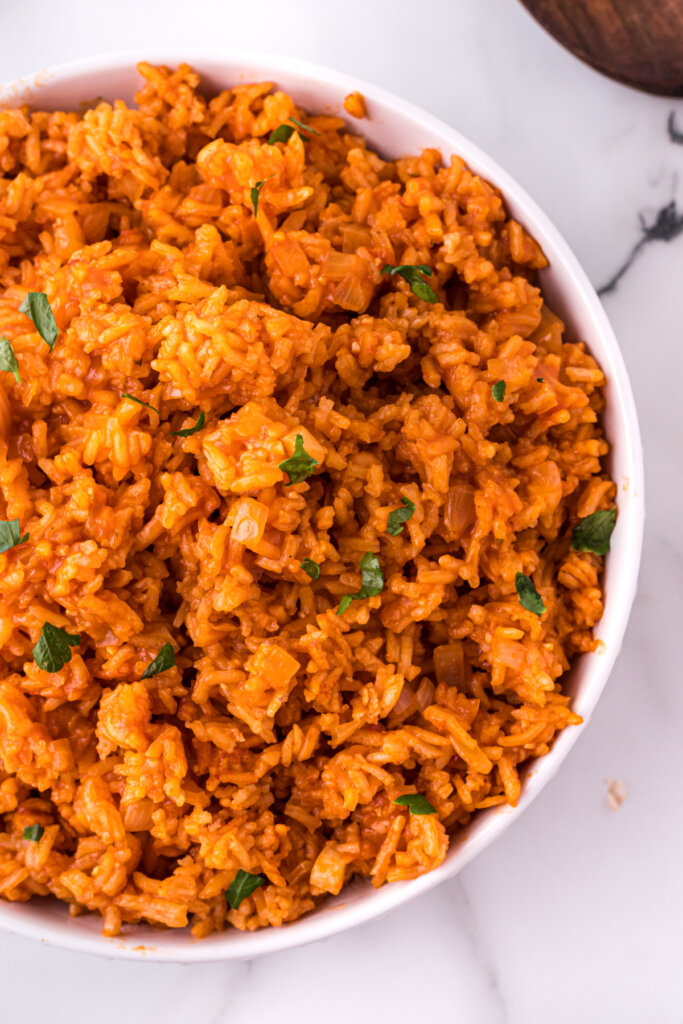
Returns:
<point x="306" y="127"/>
<point x="140" y="402"/>
<point x="414" y="276"/>
<point x="416" y="803"/>
<point x="593" y="533"/>
<point x="529" y="597"/>
<point x="10" y="534"/>
<point x="164" y="659"/>
<point x="400" y="516"/>
<point x="242" y="885"/>
<point x="53" y="649"/>
<point x="372" y="582"/>
<point x="33" y="833"/>
<point x="256" y="192"/>
<point x="188" y="431"/>
<point x="8" y="360"/>
<point x="498" y="390"/>
<point x="311" y="568"/>
<point x="38" y="309"/>
<point x="300" y="464"/>
<point x="282" y="133"/>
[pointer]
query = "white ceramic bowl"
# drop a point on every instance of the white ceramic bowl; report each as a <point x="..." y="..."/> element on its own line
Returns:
<point x="395" y="128"/>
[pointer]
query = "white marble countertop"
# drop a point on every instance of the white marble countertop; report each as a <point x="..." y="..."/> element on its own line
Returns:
<point x="575" y="913"/>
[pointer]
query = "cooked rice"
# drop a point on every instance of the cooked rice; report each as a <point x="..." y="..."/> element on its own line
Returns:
<point x="616" y="793"/>
<point x="284" y="733"/>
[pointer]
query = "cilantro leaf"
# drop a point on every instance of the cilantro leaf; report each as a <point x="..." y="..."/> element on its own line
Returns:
<point x="372" y="582"/>
<point x="529" y="597"/>
<point x="190" y="430"/>
<point x="400" y="516"/>
<point x="33" y="833"/>
<point x="164" y="659"/>
<point x="422" y="290"/>
<point x="8" y="360"/>
<point x="37" y="308"/>
<point x="371" y="576"/>
<point x="311" y="568"/>
<point x="593" y="533"/>
<point x="53" y="650"/>
<point x="282" y="133"/>
<point x="140" y="402"/>
<point x="256" y="192"/>
<point x="416" y="803"/>
<point x="498" y="390"/>
<point x="10" y="534"/>
<point x="414" y="276"/>
<point x="306" y="127"/>
<point x="242" y="885"/>
<point x="300" y="464"/>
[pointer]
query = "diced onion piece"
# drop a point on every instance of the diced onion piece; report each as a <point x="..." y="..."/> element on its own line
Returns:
<point x="250" y="522"/>
<point x="459" y="512"/>
<point x="449" y="664"/>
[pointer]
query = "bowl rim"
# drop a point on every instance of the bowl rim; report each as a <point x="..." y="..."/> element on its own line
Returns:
<point x="623" y="571"/>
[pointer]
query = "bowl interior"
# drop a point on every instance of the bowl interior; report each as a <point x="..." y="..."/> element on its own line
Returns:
<point x="394" y="128"/>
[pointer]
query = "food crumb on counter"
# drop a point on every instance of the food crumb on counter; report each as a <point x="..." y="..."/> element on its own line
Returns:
<point x="616" y="793"/>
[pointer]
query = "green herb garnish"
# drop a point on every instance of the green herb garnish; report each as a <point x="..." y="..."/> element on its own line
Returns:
<point x="33" y="833"/>
<point x="10" y="534"/>
<point x="498" y="390"/>
<point x="284" y="132"/>
<point x="256" y="192"/>
<point x="540" y="380"/>
<point x="529" y="597"/>
<point x="593" y="533"/>
<point x="413" y="275"/>
<point x="37" y="308"/>
<point x="400" y="516"/>
<point x="164" y="659"/>
<point x="306" y="127"/>
<point x="416" y="803"/>
<point x="311" y="568"/>
<point x="140" y="402"/>
<point x="242" y="885"/>
<point x="53" y="650"/>
<point x="190" y="430"/>
<point x="372" y="582"/>
<point x="8" y="360"/>
<point x="300" y="464"/>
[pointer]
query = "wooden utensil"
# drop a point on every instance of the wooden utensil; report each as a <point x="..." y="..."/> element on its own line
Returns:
<point x="639" y="42"/>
